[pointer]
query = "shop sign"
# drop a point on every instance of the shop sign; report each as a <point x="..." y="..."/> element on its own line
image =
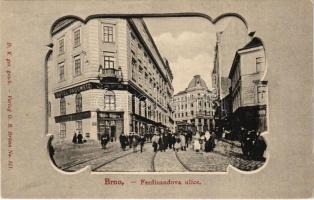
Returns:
<point x="73" y="117"/>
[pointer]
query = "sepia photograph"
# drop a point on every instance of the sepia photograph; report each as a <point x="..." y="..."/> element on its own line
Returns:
<point x="144" y="99"/>
<point x="156" y="94"/>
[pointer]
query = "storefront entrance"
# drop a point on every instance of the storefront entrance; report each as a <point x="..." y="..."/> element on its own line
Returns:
<point x="110" y="123"/>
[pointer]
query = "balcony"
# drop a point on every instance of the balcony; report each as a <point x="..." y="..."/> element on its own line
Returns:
<point x="110" y="75"/>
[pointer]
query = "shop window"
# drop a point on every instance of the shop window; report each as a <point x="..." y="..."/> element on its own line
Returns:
<point x="78" y="102"/>
<point x="110" y="100"/>
<point x="62" y="130"/>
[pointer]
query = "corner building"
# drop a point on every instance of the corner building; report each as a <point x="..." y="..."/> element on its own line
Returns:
<point x="248" y="89"/>
<point x="106" y="75"/>
<point x="192" y="107"/>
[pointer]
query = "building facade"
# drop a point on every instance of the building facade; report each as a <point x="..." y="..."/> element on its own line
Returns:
<point x="248" y="89"/>
<point x="106" y="75"/>
<point x="193" y="107"/>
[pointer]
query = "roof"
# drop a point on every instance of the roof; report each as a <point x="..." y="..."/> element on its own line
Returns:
<point x="181" y="92"/>
<point x="255" y="42"/>
<point x="197" y="81"/>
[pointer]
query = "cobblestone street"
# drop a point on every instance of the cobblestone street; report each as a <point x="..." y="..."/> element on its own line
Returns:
<point x="113" y="159"/>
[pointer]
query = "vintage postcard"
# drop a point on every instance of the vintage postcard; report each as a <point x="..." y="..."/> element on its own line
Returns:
<point x="157" y="99"/>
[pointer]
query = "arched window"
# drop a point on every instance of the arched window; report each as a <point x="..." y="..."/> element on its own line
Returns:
<point x="78" y="102"/>
<point x="62" y="106"/>
<point x="110" y="100"/>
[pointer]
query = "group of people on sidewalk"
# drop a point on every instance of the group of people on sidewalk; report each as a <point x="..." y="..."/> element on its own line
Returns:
<point x="172" y="141"/>
<point x="78" y="138"/>
<point x="253" y="144"/>
<point x="204" y="141"/>
<point x="132" y="140"/>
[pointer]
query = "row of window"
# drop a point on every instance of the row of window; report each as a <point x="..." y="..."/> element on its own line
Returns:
<point x="200" y="104"/>
<point x="186" y="114"/>
<point x="109" y="63"/>
<point x="149" y="111"/>
<point x="77" y="68"/>
<point x="109" y="102"/>
<point x="189" y="97"/>
<point x="108" y="37"/>
<point x="145" y="72"/>
<point x="78" y="129"/>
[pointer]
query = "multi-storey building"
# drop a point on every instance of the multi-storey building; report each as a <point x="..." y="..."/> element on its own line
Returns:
<point x="193" y="107"/>
<point x="248" y="89"/>
<point x="106" y="75"/>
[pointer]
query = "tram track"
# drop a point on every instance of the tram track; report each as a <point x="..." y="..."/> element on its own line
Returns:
<point x="110" y="161"/>
<point x="180" y="161"/>
<point x="116" y="157"/>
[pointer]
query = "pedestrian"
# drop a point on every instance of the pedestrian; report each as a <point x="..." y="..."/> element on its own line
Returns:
<point x="130" y="139"/>
<point x="166" y="141"/>
<point x="123" y="141"/>
<point x="208" y="146"/>
<point x="155" y="140"/>
<point x="74" y="139"/>
<point x="161" y="143"/>
<point x="172" y="140"/>
<point x="182" y="142"/>
<point x="135" y="142"/>
<point x="142" y="141"/>
<point x="186" y="135"/>
<point x="197" y="145"/>
<point x="213" y="140"/>
<point x="80" y="138"/>
<point x="259" y="148"/>
<point x="104" y="140"/>
<point x="244" y="142"/>
<point x="202" y="142"/>
<point x="251" y="138"/>
<point x="177" y="145"/>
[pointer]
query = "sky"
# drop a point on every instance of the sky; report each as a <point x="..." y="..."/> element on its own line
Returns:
<point x="188" y="43"/>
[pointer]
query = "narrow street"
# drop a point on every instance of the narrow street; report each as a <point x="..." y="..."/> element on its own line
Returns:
<point x="113" y="159"/>
<point x="167" y="162"/>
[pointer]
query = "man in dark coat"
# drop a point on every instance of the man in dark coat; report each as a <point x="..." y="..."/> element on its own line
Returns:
<point x="259" y="148"/>
<point x="80" y="138"/>
<point x="130" y="140"/>
<point x="123" y="141"/>
<point x="74" y="139"/>
<point x="142" y="141"/>
<point x="161" y="143"/>
<point x="104" y="140"/>
<point x="166" y="141"/>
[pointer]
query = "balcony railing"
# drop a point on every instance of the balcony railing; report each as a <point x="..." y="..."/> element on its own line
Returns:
<point x="110" y="74"/>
